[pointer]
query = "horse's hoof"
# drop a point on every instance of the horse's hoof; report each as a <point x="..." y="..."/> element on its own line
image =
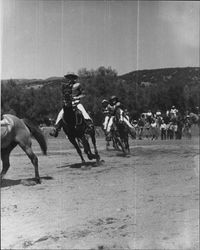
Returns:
<point x="90" y="157"/>
<point x="100" y="162"/>
<point x="38" y="181"/>
<point x="1" y="181"/>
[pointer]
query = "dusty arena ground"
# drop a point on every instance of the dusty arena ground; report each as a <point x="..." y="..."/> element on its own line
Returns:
<point x="149" y="200"/>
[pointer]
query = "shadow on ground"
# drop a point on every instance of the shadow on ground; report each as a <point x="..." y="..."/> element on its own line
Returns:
<point x="25" y="182"/>
<point x="88" y="164"/>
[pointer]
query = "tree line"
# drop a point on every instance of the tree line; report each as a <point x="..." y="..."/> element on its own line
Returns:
<point x="138" y="92"/>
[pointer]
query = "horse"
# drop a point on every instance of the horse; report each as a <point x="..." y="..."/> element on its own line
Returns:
<point x="147" y="130"/>
<point x="187" y="125"/>
<point x="113" y="137"/>
<point x="195" y="119"/>
<point x="121" y="132"/>
<point x="180" y="125"/>
<point x="76" y="129"/>
<point x="18" y="132"/>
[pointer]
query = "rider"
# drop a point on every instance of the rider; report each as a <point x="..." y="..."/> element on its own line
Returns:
<point x="113" y="106"/>
<point x="173" y="111"/>
<point x="71" y="87"/>
<point x="105" y="110"/>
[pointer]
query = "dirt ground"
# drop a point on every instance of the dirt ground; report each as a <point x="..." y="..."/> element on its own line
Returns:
<point x="149" y="200"/>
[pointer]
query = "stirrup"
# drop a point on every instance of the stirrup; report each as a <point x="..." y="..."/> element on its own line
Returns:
<point x="89" y="123"/>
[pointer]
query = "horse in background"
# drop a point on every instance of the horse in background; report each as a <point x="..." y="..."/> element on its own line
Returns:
<point x="19" y="132"/>
<point x="180" y="125"/>
<point x="187" y="125"/>
<point x="194" y="119"/>
<point x="121" y="132"/>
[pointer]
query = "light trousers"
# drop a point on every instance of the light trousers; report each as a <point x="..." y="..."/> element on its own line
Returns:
<point x="80" y="107"/>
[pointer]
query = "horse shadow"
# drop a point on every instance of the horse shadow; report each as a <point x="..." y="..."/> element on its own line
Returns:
<point x="88" y="164"/>
<point x="26" y="182"/>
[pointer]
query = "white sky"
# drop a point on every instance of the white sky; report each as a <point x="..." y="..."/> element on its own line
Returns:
<point x="44" y="38"/>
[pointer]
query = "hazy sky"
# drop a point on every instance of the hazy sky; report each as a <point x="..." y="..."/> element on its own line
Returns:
<point x="44" y="38"/>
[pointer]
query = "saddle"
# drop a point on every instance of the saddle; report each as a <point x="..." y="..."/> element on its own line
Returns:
<point x="78" y="118"/>
<point x="6" y="127"/>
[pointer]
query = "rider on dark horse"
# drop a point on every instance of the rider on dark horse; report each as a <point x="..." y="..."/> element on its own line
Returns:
<point x="73" y="89"/>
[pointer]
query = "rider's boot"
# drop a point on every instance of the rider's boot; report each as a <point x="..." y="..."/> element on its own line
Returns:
<point x="56" y="129"/>
<point x="132" y="133"/>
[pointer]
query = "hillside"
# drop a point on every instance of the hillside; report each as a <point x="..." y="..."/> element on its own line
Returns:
<point x="183" y="76"/>
<point x="35" y="83"/>
<point x="138" y="91"/>
<point x="189" y="76"/>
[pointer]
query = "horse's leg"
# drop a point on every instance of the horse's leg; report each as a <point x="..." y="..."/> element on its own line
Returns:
<point x="26" y="146"/>
<point x="121" y="144"/>
<point x="189" y="133"/>
<point x="115" y="144"/>
<point x="140" y="134"/>
<point x="127" y="144"/>
<point x="125" y="141"/>
<point x="170" y="134"/>
<point x="73" y="141"/>
<point x="5" y="153"/>
<point x="107" y="145"/>
<point x="87" y="149"/>
<point x="92" y="135"/>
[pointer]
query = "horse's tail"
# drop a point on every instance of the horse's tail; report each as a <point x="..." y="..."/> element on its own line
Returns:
<point x="37" y="133"/>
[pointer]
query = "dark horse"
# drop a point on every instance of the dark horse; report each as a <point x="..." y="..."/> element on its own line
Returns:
<point x="19" y="132"/>
<point x="76" y="129"/>
<point x="121" y="132"/>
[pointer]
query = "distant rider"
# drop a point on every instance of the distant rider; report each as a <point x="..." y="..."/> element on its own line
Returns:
<point x="105" y="111"/>
<point x="113" y="106"/>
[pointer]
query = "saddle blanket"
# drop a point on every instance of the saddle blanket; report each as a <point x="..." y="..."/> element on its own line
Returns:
<point x="6" y="126"/>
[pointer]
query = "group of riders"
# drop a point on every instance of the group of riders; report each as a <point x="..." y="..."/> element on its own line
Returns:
<point x="72" y="89"/>
<point x="109" y="107"/>
<point x="77" y="123"/>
